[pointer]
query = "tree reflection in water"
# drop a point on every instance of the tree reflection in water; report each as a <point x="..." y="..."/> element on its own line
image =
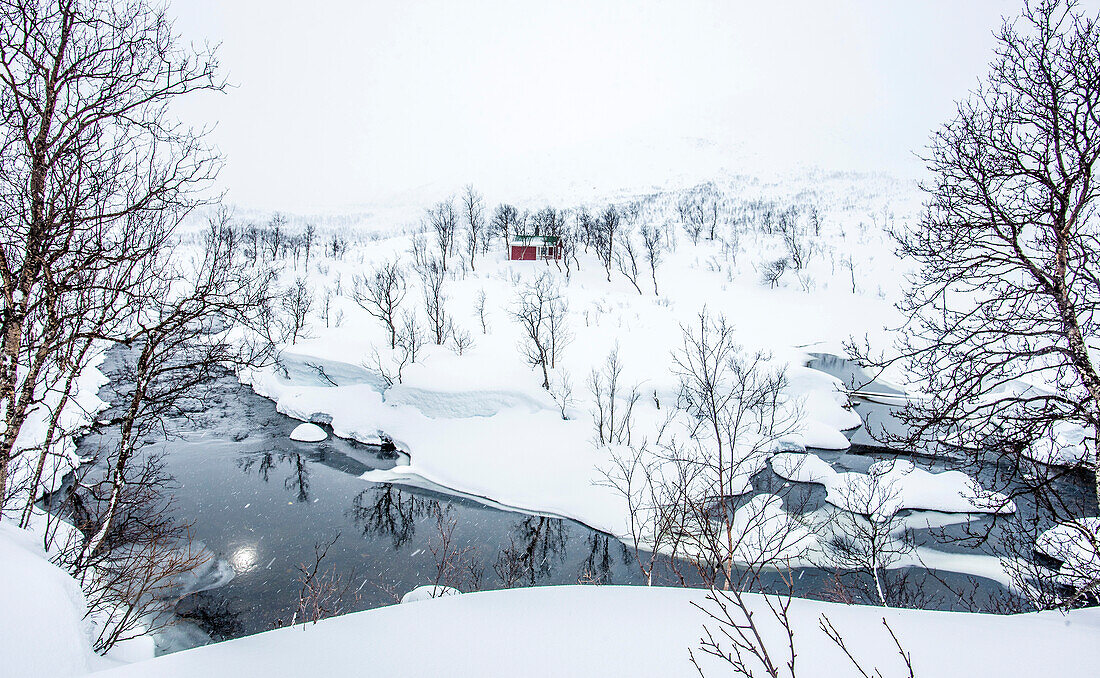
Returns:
<point x="263" y="463"/>
<point x="536" y="543"/>
<point x="217" y="617"/>
<point x="533" y="553"/>
<point x="386" y="510"/>
<point x="298" y="479"/>
<point x="596" y="568"/>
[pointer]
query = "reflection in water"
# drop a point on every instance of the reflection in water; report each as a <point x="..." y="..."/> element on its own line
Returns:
<point x="244" y="558"/>
<point x="213" y="614"/>
<point x="298" y="480"/>
<point x="536" y="543"/>
<point x="596" y="567"/>
<point x="386" y="510"/>
<point x="263" y="463"/>
<point x="544" y="542"/>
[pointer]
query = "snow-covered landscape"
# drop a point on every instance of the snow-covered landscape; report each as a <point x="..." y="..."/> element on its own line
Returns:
<point x="661" y="402"/>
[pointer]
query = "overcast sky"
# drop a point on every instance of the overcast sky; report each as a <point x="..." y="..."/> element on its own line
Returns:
<point x="339" y="103"/>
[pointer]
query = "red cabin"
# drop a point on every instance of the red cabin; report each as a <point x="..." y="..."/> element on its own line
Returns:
<point x="534" y="247"/>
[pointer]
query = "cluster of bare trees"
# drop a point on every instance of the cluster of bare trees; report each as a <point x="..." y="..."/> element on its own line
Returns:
<point x="95" y="174"/>
<point x="612" y="402"/>
<point x="381" y="294"/>
<point x="445" y="223"/>
<point x="613" y="235"/>
<point x="625" y="241"/>
<point x="694" y="515"/>
<point x="705" y="214"/>
<point x="800" y="247"/>
<point x="685" y="495"/>
<point x="699" y="215"/>
<point x="277" y="240"/>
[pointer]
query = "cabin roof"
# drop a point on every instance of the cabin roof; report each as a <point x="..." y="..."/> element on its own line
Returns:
<point x="535" y="239"/>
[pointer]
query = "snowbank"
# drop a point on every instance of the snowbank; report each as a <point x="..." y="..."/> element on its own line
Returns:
<point x="428" y="592"/>
<point x="891" y="486"/>
<point x="1075" y="545"/>
<point x="632" y="631"/>
<point x="524" y="459"/>
<point x="308" y="433"/>
<point x="79" y="411"/>
<point x="1067" y="445"/>
<point x="42" y="626"/>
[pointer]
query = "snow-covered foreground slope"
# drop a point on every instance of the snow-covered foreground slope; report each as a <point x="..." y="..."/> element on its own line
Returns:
<point x="631" y="631"/>
<point x="42" y="627"/>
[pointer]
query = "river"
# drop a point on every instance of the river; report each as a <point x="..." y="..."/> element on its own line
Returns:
<point x="261" y="504"/>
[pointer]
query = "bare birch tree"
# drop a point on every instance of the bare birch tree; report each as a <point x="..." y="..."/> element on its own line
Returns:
<point x="381" y="295"/>
<point x="433" y="276"/>
<point x="473" y="209"/>
<point x="297" y="302"/>
<point x="443" y="221"/>
<point x="626" y="260"/>
<point x="606" y="227"/>
<point x="654" y="251"/>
